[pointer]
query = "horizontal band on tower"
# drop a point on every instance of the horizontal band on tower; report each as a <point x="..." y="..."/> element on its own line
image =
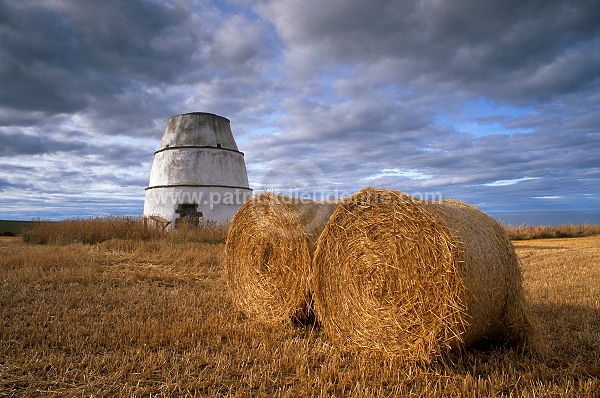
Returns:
<point x="197" y="147"/>
<point x="197" y="186"/>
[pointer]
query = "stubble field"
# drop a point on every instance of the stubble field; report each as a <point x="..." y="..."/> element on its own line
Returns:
<point x="131" y="317"/>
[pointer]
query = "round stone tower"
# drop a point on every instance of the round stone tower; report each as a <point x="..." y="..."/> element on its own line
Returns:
<point x="198" y="172"/>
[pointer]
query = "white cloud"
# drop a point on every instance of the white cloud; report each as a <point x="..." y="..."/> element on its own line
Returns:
<point x="502" y="183"/>
<point x="410" y="174"/>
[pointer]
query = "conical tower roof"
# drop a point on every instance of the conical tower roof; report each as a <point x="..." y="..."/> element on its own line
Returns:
<point x="198" y="129"/>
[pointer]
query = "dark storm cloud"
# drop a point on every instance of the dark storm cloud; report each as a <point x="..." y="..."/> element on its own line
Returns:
<point x="14" y="180"/>
<point x="57" y="56"/>
<point x="514" y="49"/>
<point x="3" y="184"/>
<point x="375" y="80"/>
<point x="124" y="68"/>
<point x="116" y="61"/>
<point x="492" y="102"/>
<point x="451" y="163"/>
<point x="14" y="143"/>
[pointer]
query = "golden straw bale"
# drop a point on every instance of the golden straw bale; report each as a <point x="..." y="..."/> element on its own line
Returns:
<point x="268" y="258"/>
<point x="415" y="278"/>
<point x="494" y="302"/>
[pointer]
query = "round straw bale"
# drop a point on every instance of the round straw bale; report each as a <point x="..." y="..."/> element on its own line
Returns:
<point x="268" y="259"/>
<point x="415" y="278"/>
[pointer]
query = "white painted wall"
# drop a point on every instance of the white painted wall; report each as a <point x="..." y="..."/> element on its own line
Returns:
<point x="217" y="204"/>
<point x="199" y="166"/>
<point x="197" y="162"/>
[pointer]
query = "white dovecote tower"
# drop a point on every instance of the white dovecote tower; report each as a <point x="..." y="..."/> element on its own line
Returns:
<point x="198" y="172"/>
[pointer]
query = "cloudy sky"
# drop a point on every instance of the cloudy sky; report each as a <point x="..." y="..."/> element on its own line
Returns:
<point x="493" y="102"/>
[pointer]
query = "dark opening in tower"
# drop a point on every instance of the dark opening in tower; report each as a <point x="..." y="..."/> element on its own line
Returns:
<point x="188" y="213"/>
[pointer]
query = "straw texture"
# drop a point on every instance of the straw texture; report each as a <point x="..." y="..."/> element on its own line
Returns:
<point x="401" y="275"/>
<point x="268" y="259"/>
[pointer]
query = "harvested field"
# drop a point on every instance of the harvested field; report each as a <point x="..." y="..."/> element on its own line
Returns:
<point x="127" y="317"/>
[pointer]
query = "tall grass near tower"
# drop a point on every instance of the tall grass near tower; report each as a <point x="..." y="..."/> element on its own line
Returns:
<point x="100" y="229"/>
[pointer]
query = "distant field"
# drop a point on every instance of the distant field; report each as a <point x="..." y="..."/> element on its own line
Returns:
<point x="526" y="232"/>
<point x="130" y="317"/>
<point x="12" y="227"/>
<point x="122" y="227"/>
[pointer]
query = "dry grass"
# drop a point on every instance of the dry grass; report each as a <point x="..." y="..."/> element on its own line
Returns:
<point x="562" y="278"/>
<point x="100" y="229"/>
<point x="526" y="232"/>
<point x="151" y="318"/>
